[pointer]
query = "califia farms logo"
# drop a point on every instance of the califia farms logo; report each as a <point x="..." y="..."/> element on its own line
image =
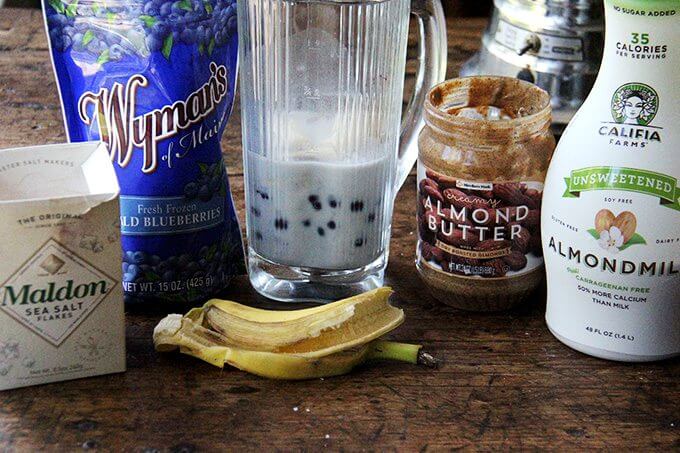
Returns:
<point x="633" y="108"/>
<point x="54" y="291"/>
<point x="635" y="103"/>
<point x="122" y="130"/>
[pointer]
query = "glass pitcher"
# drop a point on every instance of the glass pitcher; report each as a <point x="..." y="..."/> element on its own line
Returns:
<point x="321" y="99"/>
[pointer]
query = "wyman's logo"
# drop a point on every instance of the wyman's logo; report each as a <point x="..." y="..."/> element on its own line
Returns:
<point x="28" y="294"/>
<point x="114" y="111"/>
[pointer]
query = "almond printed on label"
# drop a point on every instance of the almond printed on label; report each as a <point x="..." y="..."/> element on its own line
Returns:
<point x="478" y="210"/>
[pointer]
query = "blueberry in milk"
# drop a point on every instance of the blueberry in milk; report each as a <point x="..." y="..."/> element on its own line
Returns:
<point x="317" y="214"/>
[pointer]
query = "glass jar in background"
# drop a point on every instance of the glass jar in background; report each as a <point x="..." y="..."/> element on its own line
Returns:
<point x="483" y="157"/>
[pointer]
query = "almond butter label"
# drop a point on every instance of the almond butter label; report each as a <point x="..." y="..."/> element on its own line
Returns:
<point x="477" y="228"/>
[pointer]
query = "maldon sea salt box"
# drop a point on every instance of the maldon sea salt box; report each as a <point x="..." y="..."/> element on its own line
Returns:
<point x="61" y="303"/>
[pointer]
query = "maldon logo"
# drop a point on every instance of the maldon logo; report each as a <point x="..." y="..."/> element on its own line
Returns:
<point x="54" y="291"/>
<point x="114" y="111"/>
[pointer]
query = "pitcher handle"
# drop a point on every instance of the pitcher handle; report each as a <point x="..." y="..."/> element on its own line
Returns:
<point x="431" y="70"/>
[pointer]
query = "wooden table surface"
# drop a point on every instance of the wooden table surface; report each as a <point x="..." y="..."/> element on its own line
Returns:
<point x="505" y="382"/>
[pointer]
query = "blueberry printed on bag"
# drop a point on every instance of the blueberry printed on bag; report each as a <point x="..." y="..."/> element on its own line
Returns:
<point x="155" y="80"/>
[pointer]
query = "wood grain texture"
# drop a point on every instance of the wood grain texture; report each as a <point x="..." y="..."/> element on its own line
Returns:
<point x="505" y="381"/>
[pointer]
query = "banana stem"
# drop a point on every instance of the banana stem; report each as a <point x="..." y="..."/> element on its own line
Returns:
<point x="402" y="352"/>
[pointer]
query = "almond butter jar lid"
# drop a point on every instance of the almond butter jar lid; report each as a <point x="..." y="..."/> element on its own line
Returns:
<point x="483" y="156"/>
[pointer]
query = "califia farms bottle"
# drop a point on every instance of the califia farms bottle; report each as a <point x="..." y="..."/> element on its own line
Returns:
<point x="611" y="219"/>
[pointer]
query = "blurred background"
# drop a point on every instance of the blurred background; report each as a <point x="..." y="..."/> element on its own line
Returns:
<point x="457" y="8"/>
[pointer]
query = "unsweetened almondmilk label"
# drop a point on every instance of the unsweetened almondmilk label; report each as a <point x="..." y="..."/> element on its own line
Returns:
<point x="611" y="206"/>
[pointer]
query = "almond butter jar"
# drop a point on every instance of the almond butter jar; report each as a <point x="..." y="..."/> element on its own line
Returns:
<point x="483" y="157"/>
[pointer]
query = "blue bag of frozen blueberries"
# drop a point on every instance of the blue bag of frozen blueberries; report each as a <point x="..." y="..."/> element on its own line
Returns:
<point x="154" y="80"/>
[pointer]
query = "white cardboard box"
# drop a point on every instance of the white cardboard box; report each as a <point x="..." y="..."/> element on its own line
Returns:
<point x="61" y="302"/>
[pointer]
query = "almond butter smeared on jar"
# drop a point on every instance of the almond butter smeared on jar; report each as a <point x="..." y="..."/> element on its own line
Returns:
<point x="483" y="157"/>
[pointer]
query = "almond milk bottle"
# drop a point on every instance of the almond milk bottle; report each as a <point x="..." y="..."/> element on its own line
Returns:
<point x="611" y="219"/>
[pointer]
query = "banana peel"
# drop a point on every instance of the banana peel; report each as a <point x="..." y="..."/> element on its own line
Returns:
<point x="303" y="344"/>
<point x="319" y="331"/>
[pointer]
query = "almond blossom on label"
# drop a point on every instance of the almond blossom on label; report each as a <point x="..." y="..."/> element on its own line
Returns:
<point x="611" y="240"/>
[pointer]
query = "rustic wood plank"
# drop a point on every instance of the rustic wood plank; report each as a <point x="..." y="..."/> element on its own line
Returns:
<point x="505" y="381"/>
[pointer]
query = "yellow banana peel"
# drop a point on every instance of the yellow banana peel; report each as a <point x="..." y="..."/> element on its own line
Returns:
<point x="318" y="331"/>
<point x="328" y="340"/>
